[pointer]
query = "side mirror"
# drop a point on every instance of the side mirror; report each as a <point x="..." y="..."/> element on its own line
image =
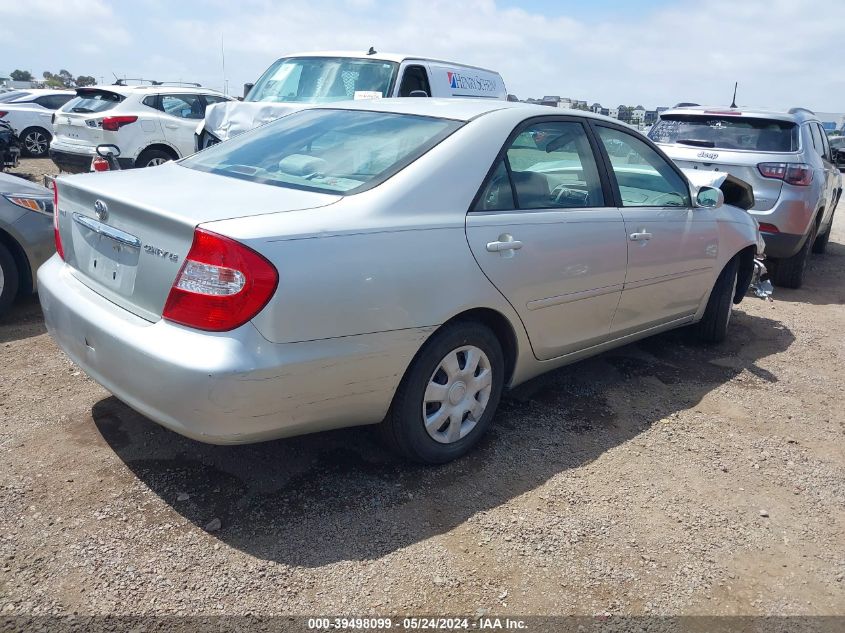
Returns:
<point x="107" y="150"/>
<point x="710" y="198"/>
<point x="247" y="87"/>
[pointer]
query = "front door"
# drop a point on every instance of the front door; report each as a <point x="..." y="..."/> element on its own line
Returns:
<point x="545" y="233"/>
<point x="182" y="113"/>
<point x="672" y="246"/>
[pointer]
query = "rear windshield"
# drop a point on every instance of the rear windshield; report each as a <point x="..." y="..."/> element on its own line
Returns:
<point x="323" y="79"/>
<point x="726" y="132"/>
<point x="5" y="97"/>
<point x="93" y="101"/>
<point x="337" y="151"/>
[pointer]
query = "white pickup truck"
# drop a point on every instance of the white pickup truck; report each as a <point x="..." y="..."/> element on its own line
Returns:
<point x="297" y="81"/>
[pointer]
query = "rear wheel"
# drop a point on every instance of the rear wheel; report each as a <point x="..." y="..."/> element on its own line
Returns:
<point x="448" y="397"/>
<point x="713" y="326"/>
<point x="35" y="141"/>
<point x="153" y="157"/>
<point x="8" y="279"/>
<point x="789" y="272"/>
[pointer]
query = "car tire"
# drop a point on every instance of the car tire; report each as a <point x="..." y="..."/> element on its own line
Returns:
<point x="713" y="327"/>
<point x="35" y="142"/>
<point x="153" y="157"/>
<point x="820" y="245"/>
<point x="789" y="272"/>
<point x="9" y="279"/>
<point x="431" y="419"/>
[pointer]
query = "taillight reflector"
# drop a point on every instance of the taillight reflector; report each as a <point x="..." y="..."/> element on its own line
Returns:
<point x="59" y="249"/>
<point x="114" y="123"/>
<point x="222" y="284"/>
<point x="3" y="113"/>
<point x="768" y="228"/>
<point x="799" y="174"/>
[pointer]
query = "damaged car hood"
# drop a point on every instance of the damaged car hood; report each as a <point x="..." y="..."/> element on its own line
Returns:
<point x="225" y="120"/>
<point x="737" y="192"/>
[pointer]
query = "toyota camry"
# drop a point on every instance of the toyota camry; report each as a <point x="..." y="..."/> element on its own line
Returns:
<point x="394" y="262"/>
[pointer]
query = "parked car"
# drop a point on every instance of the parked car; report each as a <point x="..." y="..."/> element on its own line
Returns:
<point x="785" y="156"/>
<point x="26" y="235"/>
<point x="401" y="261"/>
<point x="837" y="148"/>
<point x="10" y="149"/>
<point x="297" y="81"/>
<point x="30" y="116"/>
<point x="149" y="124"/>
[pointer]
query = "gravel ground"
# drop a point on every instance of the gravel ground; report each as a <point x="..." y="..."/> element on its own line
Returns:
<point x="660" y="478"/>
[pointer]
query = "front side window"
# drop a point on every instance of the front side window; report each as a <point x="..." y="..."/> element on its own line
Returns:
<point x="644" y="177"/>
<point x="334" y="151"/>
<point x="726" y="132"/>
<point x="323" y="80"/>
<point x="549" y="165"/>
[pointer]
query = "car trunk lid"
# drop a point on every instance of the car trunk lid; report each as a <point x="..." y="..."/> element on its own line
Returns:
<point x="126" y="234"/>
<point x="75" y="128"/>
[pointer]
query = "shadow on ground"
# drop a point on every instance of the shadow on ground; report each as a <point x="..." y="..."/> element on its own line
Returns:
<point x="339" y="495"/>
<point x="824" y="280"/>
<point x="23" y="320"/>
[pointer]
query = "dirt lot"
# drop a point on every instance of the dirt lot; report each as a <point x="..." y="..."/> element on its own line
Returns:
<point x="663" y="477"/>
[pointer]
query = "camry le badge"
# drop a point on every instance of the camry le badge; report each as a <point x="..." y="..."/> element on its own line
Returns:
<point x="102" y="210"/>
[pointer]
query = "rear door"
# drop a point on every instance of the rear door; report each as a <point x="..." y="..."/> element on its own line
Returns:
<point x="672" y="247"/>
<point x="545" y="232"/>
<point x="831" y="172"/>
<point x="180" y="115"/>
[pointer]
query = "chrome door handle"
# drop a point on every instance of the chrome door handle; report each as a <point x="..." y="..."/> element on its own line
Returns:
<point x="171" y="126"/>
<point x="504" y="245"/>
<point x="640" y="236"/>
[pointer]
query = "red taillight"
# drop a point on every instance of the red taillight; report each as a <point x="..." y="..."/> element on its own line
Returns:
<point x="791" y="173"/>
<point x="58" y="238"/>
<point x="99" y="164"/>
<point x="114" y="123"/>
<point x="3" y="113"/>
<point x="768" y="228"/>
<point x="221" y="285"/>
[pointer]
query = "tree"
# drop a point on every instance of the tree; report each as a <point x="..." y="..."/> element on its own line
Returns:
<point x="21" y="75"/>
<point x="85" y="80"/>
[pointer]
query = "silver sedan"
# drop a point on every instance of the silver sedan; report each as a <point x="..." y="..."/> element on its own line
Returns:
<point x="396" y="261"/>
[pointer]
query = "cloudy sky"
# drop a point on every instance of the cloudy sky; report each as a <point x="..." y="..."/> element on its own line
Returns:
<point x="649" y="52"/>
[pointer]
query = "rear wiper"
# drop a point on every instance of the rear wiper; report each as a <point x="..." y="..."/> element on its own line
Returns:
<point x="696" y="142"/>
<point x="86" y="110"/>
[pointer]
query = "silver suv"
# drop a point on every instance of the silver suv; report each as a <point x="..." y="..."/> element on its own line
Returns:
<point x="786" y="158"/>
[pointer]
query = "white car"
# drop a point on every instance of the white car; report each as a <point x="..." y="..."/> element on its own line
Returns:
<point x="30" y="113"/>
<point x="150" y="125"/>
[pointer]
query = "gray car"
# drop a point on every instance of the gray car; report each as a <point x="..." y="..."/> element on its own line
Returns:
<point x="398" y="261"/>
<point x="787" y="159"/>
<point x="26" y="235"/>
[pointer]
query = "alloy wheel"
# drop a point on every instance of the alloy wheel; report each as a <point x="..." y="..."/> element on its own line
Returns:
<point x="154" y="162"/>
<point x="35" y="143"/>
<point x="457" y="394"/>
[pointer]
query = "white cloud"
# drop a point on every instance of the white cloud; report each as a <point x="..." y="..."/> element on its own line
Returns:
<point x="782" y="52"/>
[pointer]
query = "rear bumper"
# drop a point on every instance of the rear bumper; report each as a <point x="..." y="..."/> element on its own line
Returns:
<point x="792" y="214"/>
<point x="781" y="245"/>
<point x="223" y="388"/>
<point x="71" y="162"/>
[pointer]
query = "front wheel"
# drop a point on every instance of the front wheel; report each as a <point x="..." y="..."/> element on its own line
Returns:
<point x="820" y="245"/>
<point x="35" y="141"/>
<point x="152" y="158"/>
<point x="713" y="327"/>
<point x="447" y="399"/>
<point x="8" y="279"/>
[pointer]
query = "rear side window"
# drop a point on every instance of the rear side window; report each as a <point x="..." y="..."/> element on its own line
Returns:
<point x="5" y="97"/>
<point x="93" y="101"/>
<point x="550" y="165"/>
<point x="333" y="151"/>
<point x="726" y="132"/>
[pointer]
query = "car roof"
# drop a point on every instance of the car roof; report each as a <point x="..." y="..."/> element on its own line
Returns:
<point x="167" y="89"/>
<point x="795" y="115"/>
<point x="455" y="108"/>
<point x="385" y="57"/>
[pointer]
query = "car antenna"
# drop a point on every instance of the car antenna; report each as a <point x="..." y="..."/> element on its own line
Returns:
<point x="372" y="51"/>
<point x="733" y="103"/>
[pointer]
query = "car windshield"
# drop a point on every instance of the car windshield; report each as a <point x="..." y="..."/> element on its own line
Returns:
<point x="336" y="151"/>
<point x="93" y="101"/>
<point x="726" y="132"/>
<point x="323" y="80"/>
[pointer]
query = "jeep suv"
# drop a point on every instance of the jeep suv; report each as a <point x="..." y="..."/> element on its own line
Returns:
<point x="786" y="158"/>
